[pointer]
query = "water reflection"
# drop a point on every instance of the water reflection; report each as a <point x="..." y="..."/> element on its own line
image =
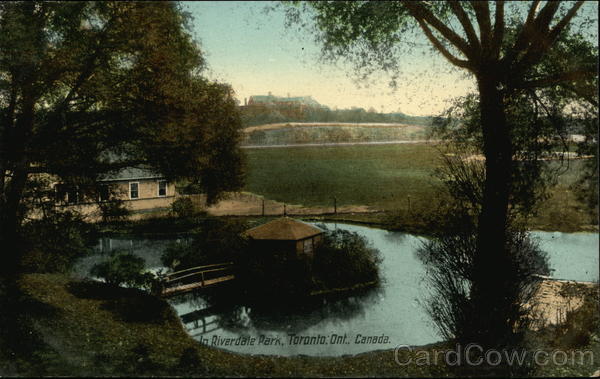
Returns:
<point x="393" y="310"/>
<point x="237" y="316"/>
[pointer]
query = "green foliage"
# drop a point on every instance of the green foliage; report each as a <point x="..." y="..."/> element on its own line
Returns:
<point x="54" y="242"/>
<point x="89" y="88"/>
<point x="345" y="259"/>
<point x="113" y="211"/>
<point x="122" y="268"/>
<point x="259" y="114"/>
<point x="586" y="186"/>
<point x="327" y="134"/>
<point x="183" y="207"/>
<point x="214" y="240"/>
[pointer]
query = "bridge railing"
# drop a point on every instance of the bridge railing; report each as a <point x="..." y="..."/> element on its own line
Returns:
<point x="200" y="272"/>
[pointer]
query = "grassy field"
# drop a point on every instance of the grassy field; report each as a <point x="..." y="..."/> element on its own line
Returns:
<point x="378" y="175"/>
<point x="387" y="177"/>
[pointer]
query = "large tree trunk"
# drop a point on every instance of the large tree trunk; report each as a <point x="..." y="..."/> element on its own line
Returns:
<point x="491" y="294"/>
<point x="10" y="219"/>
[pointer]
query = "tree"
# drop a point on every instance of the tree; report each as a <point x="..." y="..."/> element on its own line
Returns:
<point x="87" y="88"/>
<point x="502" y="47"/>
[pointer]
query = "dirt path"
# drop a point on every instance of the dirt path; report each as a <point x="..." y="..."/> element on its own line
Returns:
<point x="275" y="126"/>
<point x="397" y="142"/>
<point x="249" y="204"/>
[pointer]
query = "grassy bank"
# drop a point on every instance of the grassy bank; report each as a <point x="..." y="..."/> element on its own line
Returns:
<point x="396" y="178"/>
<point x="89" y="329"/>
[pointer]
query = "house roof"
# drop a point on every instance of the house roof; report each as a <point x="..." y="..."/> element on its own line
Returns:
<point x="131" y="173"/>
<point x="284" y="229"/>
<point x="127" y="173"/>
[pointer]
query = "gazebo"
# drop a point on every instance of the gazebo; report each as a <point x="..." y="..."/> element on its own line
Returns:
<point x="286" y="235"/>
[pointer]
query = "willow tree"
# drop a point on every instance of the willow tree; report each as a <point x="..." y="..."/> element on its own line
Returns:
<point x="87" y="88"/>
<point x="502" y="46"/>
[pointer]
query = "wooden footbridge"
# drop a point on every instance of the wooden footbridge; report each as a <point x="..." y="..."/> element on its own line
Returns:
<point x="199" y="277"/>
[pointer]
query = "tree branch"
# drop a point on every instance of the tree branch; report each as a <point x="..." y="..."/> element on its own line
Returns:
<point x="498" y="30"/>
<point x="536" y="40"/>
<point x="466" y="24"/>
<point x="560" y="26"/>
<point x="482" y="12"/>
<point x="419" y="12"/>
<point x="90" y="65"/>
<point x="556" y="78"/>
<point x="544" y="41"/>
<point x="524" y="36"/>
<point x="589" y="96"/>
<point x="441" y="48"/>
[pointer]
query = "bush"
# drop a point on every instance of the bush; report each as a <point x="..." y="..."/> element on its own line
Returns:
<point x="183" y="207"/>
<point x="56" y="241"/>
<point x="345" y="259"/>
<point x="114" y="211"/>
<point x="214" y="241"/>
<point x="123" y="268"/>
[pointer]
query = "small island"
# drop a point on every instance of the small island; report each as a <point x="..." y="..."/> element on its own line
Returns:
<point x="287" y="257"/>
<point x="284" y="259"/>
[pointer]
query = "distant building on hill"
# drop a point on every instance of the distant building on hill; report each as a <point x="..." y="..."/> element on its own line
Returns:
<point x="306" y="101"/>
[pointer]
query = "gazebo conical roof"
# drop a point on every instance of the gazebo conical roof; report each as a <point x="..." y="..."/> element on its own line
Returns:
<point x="283" y="229"/>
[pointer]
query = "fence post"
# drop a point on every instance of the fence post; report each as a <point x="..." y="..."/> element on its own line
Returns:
<point x="263" y="207"/>
<point x="334" y="205"/>
<point x="202" y="273"/>
<point x="408" y="198"/>
<point x="284" y="210"/>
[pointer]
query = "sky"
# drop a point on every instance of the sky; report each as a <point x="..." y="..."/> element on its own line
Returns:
<point x="252" y="51"/>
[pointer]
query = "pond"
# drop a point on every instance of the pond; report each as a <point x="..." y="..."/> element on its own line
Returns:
<point x="381" y="318"/>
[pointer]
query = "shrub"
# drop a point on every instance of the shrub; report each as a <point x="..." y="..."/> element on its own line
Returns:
<point x="56" y="241"/>
<point x="183" y="207"/>
<point x="214" y="241"/>
<point x="114" y="211"/>
<point x="123" y="268"/>
<point x="345" y="258"/>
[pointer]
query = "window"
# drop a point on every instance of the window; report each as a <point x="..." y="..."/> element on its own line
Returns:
<point x="134" y="190"/>
<point x="103" y="192"/>
<point x="72" y="195"/>
<point x="61" y="193"/>
<point x="162" y="188"/>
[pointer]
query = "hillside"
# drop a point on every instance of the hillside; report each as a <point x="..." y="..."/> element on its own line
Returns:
<point x="330" y="132"/>
<point x="282" y="112"/>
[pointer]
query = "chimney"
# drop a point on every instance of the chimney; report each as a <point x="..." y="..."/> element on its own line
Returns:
<point x="245" y="101"/>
